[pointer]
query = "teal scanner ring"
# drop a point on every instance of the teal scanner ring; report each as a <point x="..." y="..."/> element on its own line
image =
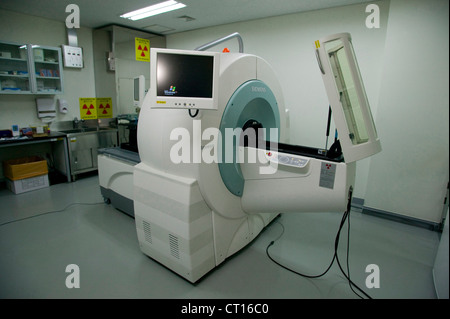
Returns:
<point x="252" y="100"/>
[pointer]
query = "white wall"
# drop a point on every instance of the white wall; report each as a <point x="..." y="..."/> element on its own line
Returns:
<point x="105" y="80"/>
<point x="21" y="109"/>
<point x="287" y="43"/>
<point x="410" y="176"/>
<point x="404" y="65"/>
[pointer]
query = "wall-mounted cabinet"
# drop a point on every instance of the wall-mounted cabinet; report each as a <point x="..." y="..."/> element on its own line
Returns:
<point x="47" y="66"/>
<point x="14" y="69"/>
<point x="30" y="69"/>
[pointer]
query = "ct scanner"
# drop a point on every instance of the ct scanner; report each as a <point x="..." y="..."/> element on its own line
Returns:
<point x="215" y="166"/>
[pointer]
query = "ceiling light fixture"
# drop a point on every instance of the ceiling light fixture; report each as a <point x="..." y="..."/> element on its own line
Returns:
<point x="153" y="10"/>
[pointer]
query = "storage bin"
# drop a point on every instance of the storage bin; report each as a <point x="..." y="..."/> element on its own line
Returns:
<point x="26" y="174"/>
<point x="27" y="184"/>
<point x="26" y="167"/>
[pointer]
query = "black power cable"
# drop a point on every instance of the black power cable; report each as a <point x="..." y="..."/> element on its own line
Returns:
<point x="193" y="115"/>
<point x="48" y="212"/>
<point x="345" y="217"/>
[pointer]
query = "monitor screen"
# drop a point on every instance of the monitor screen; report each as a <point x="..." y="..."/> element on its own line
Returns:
<point x="184" y="79"/>
<point x="184" y="75"/>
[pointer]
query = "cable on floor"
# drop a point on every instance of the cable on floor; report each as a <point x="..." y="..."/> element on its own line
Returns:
<point x="345" y="217"/>
<point x="49" y="212"/>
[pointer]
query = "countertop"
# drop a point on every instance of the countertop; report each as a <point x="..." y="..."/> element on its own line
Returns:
<point x="22" y="139"/>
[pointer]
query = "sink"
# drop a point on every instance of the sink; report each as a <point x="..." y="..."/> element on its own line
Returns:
<point x="72" y="131"/>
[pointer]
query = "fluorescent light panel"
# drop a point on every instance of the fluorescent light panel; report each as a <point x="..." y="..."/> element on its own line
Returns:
<point x="153" y="10"/>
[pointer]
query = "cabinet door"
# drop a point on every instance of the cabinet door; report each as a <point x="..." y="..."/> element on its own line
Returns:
<point x="15" y="74"/>
<point x="82" y="152"/>
<point x="82" y="159"/>
<point x="47" y="67"/>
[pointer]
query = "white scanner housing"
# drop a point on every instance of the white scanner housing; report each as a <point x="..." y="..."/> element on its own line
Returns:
<point x="196" y="206"/>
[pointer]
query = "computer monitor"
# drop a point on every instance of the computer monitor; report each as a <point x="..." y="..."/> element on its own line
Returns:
<point x="184" y="79"/>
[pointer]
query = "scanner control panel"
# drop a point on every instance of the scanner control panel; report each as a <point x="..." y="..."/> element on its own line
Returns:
<point x="287" y="159"/>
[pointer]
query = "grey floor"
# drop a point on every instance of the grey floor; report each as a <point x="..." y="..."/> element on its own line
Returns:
<point x="37" y="243"/>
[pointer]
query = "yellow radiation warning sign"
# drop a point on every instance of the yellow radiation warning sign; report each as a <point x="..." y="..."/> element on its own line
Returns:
<point x="142" y="49"/>
<point x="104" y="108"/>
<point x="92" y="108"/>
<point x="88" y="108"/>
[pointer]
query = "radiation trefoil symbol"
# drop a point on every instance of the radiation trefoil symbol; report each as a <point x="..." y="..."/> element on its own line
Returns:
<point x="88" y="112"/>
<point x="105" y="111"/>
<point x="143" y="51"/>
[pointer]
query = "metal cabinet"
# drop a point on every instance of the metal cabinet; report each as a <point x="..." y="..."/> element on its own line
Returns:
<point x="30" y="69"/>
<point x="83" y="149"/>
